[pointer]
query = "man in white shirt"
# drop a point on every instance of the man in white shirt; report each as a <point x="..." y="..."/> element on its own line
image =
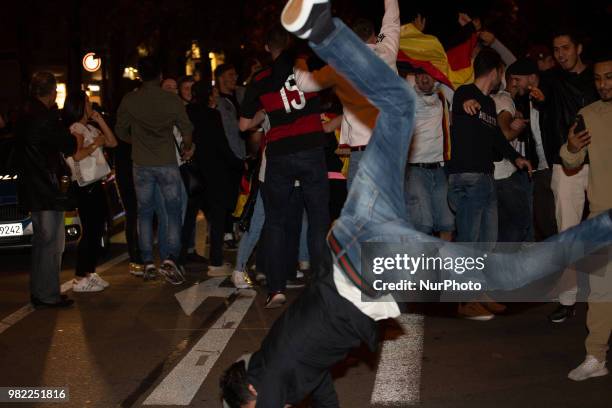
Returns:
<point x="426" y="180"/>
<point x="525" y="76"/>
<point x="513" y="187"/>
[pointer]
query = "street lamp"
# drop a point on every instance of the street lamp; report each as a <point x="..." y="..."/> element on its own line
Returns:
<point x="91" y="63"/>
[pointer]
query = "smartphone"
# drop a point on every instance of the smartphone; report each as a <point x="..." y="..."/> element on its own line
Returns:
<point x="580" y="126"/>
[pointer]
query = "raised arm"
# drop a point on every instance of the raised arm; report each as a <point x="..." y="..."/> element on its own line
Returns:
<point x="387" y="45"/>
<point x="109" y="137"/>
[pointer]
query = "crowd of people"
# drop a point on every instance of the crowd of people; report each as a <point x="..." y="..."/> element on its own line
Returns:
<point x="507" y="156"/>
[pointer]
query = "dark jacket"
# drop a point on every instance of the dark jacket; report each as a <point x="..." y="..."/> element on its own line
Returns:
<point x="566" y="93"/>
<point x="213" y="154"/>
<point x="41" y="141"/>
<point x="317" y="331"/>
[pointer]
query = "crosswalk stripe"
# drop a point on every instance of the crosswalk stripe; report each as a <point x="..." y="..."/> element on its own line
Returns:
<point x="398" y="378"/>
<point x="180" y="386"/>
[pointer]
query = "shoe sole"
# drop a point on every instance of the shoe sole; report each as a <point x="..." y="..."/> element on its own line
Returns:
<point x="600" y="373"/>
<point x="87" y="291"/>
<point x="290" y="14"/>
<point x="296" y="15"/>
<point x="137" y="274"/>
<point x="484" y="318"/>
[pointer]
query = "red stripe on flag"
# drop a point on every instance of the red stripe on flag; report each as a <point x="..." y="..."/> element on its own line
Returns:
<point x="426" y="66"/>
<point x="460" y="57"/>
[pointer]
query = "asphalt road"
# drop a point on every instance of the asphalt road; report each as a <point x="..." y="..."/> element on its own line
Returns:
<point x="134" y="345"/>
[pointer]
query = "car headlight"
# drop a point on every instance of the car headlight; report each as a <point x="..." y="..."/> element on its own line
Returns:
<point x="72" y="231"/>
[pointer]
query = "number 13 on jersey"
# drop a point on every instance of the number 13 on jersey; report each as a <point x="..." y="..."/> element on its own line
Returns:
<point x="298" y="101"/>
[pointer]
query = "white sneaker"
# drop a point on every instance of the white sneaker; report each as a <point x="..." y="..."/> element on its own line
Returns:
<point x="86" y="285"/>
<point x="299" y="274"/>
<point x="241" y="280"/>
<point x="98" y="280"/>
<point x="589" y="368"/>
<point x="218" y="271"/>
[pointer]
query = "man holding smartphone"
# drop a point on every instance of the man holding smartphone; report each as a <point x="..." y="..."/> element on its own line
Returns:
<point x="590" y="135"/>
<point x="571" y="89"/>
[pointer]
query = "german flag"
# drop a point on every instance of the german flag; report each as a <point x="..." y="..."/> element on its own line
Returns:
<point x="452" y="67"/>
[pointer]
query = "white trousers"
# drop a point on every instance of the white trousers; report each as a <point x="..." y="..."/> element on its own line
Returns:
<point x="569" y="192"/>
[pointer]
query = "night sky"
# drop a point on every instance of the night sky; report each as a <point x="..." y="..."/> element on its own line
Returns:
<point x="37" y="34"/>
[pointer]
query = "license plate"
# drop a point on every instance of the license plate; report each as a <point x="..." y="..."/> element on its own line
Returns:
<point x="11" y="230"/>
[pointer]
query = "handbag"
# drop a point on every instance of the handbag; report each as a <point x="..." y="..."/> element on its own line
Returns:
<point x="192" y="178"/>
<point x="93" y="167"/>
<point x="244" y="223"/>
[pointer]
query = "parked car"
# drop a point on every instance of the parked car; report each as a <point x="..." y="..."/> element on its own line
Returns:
<point x="15" y="222"/>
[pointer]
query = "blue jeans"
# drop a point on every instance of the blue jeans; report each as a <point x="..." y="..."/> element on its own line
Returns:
<point x="514" y="208"/>
<point x="353" y="167"/>
<point x="310" y="169"/>
<point x="303" y="255"/>
<point x="375" y="210"/>
<point x="168" y="180"/>
<point x="249" y="239"/>
<point x="426" y="198"/>
<point x="162" y="220"/>
<point x="473" y="198"/>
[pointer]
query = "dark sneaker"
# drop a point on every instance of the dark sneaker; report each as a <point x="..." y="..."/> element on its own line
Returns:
<point x="275" y="300"/>
<point x="295" y="283"/>
<point x="62" y="303"/>
<point x="172" y="272"/>
<point x="562" y="313"/>
<point x="149" y="273"/>
<point x="230" y="245"/>
<point x="194" y="257"/>
<point x="300" y="17"/>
